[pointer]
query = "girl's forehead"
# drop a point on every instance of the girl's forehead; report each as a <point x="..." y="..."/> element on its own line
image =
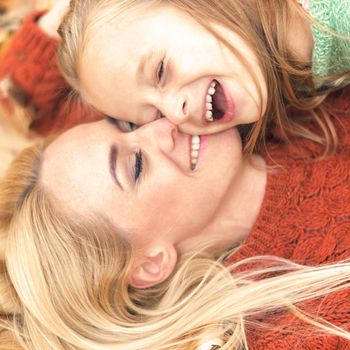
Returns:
<point x="125" y="19"/>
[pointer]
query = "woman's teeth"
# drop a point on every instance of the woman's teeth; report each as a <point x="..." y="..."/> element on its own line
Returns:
<point x="195" y="146"/>
<point x="209" y="102"/>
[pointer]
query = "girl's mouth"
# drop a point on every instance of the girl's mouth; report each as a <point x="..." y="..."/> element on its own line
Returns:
<point x="218" y="106"/>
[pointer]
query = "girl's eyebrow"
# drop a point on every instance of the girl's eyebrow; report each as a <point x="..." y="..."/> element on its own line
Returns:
<point x="113" y="155"/>
<point x="141" y="69"/>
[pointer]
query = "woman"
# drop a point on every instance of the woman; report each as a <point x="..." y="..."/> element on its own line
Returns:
<point x="104" y="233"/>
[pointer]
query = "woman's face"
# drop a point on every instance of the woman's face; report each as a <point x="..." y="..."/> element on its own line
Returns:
<point x="148" y="182"/>
<point x="160" y="62"/>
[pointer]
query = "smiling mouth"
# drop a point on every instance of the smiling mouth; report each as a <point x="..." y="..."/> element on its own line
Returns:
<point x="195" y="145"/>
<point x="215" y="102"/>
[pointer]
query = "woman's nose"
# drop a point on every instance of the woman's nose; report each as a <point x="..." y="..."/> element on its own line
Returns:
<point x="160" y="133"/>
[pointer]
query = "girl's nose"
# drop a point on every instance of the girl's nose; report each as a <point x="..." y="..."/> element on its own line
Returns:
<point x="175" y="108"/>
<point x="160" y="133"/>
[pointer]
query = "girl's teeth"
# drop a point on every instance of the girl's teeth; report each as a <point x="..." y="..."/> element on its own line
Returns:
<point x="209" y="116"/>
<point x="209" y="102"/>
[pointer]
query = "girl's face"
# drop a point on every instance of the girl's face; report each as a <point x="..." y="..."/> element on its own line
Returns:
<point x="149" y="182"/>
<point x="160" y="62"/>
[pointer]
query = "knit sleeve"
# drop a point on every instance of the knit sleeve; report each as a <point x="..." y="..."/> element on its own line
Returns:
<point x="331" y="54"/>
<point x="30" y="68"/>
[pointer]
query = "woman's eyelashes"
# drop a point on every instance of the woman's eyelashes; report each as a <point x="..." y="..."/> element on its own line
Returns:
<point x="159" y="115"/>
<point x="138" y="165"/>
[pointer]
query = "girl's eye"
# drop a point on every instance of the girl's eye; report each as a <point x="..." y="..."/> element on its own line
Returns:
<point x="138" y="165"/>
<point x="126" y="126"/>
<point x="160" y="71"/>
<point x="122" y="125"/>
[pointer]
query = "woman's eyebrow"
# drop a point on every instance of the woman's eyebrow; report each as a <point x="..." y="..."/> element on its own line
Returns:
<point x="113" y="155"/>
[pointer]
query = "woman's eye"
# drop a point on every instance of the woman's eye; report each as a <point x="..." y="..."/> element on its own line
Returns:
<point x="122" y="125"/>
<point x="160" y="71"/>
<point x="159" y="115"/>
<point x="138" y="165"/>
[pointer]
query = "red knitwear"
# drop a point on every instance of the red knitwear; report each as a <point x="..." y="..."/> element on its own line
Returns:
<point x="305" y="217"/>
<point x="30" y="62"/>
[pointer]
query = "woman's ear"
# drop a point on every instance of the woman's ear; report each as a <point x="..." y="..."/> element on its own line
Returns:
<point x="153" y="265"/>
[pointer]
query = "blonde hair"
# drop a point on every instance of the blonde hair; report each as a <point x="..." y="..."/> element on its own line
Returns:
<point x="264" y="27"/>
<point x="63" y="282"/>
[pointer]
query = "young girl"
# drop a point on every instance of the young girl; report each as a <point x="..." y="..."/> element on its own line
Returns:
<point x="207" y="66"/>
<point x="101" y="234"/>
<point x="265" y="71"/>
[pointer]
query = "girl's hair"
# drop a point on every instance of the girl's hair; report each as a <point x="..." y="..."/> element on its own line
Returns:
<point x="264" y="25"/>
<point x="63" y="282"/>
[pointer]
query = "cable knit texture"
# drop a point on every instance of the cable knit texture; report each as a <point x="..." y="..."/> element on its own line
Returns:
<point x="305" y="217"/>
<point x="31" y="63"/>
<point x="331" y="54"/>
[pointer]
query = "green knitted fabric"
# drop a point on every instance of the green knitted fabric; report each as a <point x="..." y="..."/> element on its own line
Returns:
<point x="331" y="54"/>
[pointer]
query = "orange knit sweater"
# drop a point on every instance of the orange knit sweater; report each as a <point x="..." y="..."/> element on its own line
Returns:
<point x="30" y="63"/>
<point x="305" y="217"/>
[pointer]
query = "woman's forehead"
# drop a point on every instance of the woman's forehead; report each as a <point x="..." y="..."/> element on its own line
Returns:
<point x="72" y="164"/>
